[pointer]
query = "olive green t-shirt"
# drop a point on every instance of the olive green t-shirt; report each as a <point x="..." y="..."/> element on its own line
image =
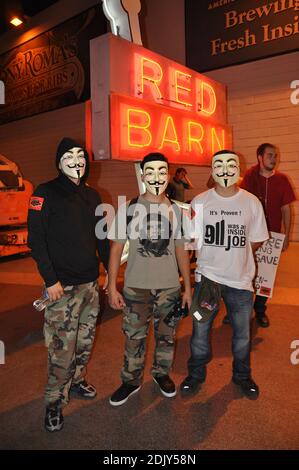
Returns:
<point x="153" y="230"/>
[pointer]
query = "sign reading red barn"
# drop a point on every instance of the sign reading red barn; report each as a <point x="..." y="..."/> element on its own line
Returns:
<point x="143" y="102"/>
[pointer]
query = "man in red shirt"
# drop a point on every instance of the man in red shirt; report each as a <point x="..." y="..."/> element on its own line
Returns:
<point x="275" y="193"/>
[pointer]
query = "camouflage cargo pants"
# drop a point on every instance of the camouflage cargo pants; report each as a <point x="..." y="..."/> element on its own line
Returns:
<point x="141" y="306"/>
<point x="69" y="330"/>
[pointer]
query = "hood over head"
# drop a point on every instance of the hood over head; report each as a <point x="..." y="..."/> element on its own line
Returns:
<point x="66" y="144"/>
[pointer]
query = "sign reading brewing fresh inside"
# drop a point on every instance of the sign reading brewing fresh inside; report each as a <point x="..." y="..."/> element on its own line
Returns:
<point x="226" y="32"/>
<point x="143" y="102"/>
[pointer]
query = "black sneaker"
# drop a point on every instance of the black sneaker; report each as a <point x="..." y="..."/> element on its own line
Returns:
<point x="226" y="320"/>
<point x="190" y="385"/>
<point x="166" y="385"/>
<point x="83" y="390"/>
<point x="248" y="387"/>
<point x="53" y="419"/>
<point x="121" y="395"/>
<point x="262" y="320"/>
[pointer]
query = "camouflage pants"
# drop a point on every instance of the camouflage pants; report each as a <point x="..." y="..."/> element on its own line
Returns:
<point x="141" y="306"/>
<point x="69" y="330"/>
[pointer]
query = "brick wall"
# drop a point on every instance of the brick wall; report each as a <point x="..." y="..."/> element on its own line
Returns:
<point x="113" y="178"/>
<point x="32" y="142"/>
<point x="260" y="110"/>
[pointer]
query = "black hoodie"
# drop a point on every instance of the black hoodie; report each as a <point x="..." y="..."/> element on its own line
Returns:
<point x="61" y="228"/>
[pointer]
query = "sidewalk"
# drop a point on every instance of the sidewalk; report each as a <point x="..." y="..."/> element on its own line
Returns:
<point x="218" y="417"/>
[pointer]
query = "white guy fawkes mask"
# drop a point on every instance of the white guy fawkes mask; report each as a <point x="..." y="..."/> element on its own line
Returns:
<point x="226" y="169"/>
<point x="73" y="163"/>
<point x="156" y="177"/>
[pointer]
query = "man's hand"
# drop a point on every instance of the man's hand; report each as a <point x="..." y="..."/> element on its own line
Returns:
<point x="55" y="292"/>
<point x="285" y="245"/>
<point x="115" y="299"/>
<point x="187" y="299"/>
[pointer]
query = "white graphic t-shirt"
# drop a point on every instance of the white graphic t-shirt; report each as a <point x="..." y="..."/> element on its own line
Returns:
<point x="229" y="225"/>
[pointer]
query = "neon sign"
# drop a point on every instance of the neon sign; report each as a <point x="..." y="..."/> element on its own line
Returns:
<point x="139" y="127"/>
<point x="153" y="104"/>
<point x="179" y="89"/>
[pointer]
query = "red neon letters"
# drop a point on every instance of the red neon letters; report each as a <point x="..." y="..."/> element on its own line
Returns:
<point x="139" y="127"/>
<point x="157" y="104"/>
<point x="173" y="87"/>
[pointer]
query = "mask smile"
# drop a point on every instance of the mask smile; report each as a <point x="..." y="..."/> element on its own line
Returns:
<point x="77" y="167"/>
<point x="156" y="184"/>
<point x="226" y="174"/>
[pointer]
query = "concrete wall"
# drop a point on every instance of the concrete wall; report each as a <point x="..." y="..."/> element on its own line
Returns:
<point x="163" y="27"/>
<point x="260" y="110"/>
<point x="113" y="178"/>
<point x="32" y="142"/>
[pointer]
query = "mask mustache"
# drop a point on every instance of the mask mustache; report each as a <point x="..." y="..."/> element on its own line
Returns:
<point x="76" y="165"/>
<point x="155" y="183"/>
<point x="225" y="174"/>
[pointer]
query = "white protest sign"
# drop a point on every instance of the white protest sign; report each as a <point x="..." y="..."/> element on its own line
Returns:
<point x="267" y="257"/>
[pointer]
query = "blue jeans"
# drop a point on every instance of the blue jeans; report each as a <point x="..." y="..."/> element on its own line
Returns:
<point x="239" y="306"/>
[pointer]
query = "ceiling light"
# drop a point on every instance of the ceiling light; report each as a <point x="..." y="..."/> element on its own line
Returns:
<point x="16" y="21"/>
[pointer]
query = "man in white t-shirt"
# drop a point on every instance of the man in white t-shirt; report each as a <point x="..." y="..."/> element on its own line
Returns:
<point x="234" y="226"/>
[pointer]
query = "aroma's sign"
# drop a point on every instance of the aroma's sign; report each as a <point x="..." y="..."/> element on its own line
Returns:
<point x="51" y="70"/>
<point x="143" y="102"/>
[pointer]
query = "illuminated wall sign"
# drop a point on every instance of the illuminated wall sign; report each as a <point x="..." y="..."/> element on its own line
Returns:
<point x="153" y="103"/>
<point x="51" y="70"/>
<point x="138" y="128"/>
<point x="227" y="32"/>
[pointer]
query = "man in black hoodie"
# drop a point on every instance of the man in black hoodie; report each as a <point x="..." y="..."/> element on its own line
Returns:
<point x="61" y="225"/>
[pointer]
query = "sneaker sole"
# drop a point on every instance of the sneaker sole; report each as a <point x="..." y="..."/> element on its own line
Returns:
<point x="188" y="391"/>
<point x="250" y="397"/>
<point x="261" y="325"/>
<point x="57" y="428"/>
<point x="167" y="395"/>
<point x="119" y="403"/>
<point x="73" y="393"/>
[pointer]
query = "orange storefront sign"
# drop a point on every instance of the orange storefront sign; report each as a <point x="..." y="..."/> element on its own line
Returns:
<point x="153" y="104"/>
<point x="139" y="127"/>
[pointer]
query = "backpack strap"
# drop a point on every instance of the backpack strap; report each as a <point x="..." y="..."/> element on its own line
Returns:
<point x="130" y="217"/>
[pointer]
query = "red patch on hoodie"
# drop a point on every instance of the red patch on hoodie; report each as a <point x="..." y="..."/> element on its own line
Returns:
<point x="36" y="203"/>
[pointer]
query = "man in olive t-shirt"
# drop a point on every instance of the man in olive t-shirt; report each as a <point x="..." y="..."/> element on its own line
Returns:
<point x="152" y="288"/>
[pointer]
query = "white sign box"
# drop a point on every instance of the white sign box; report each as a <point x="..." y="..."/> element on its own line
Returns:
<point x="267" y="257"/>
